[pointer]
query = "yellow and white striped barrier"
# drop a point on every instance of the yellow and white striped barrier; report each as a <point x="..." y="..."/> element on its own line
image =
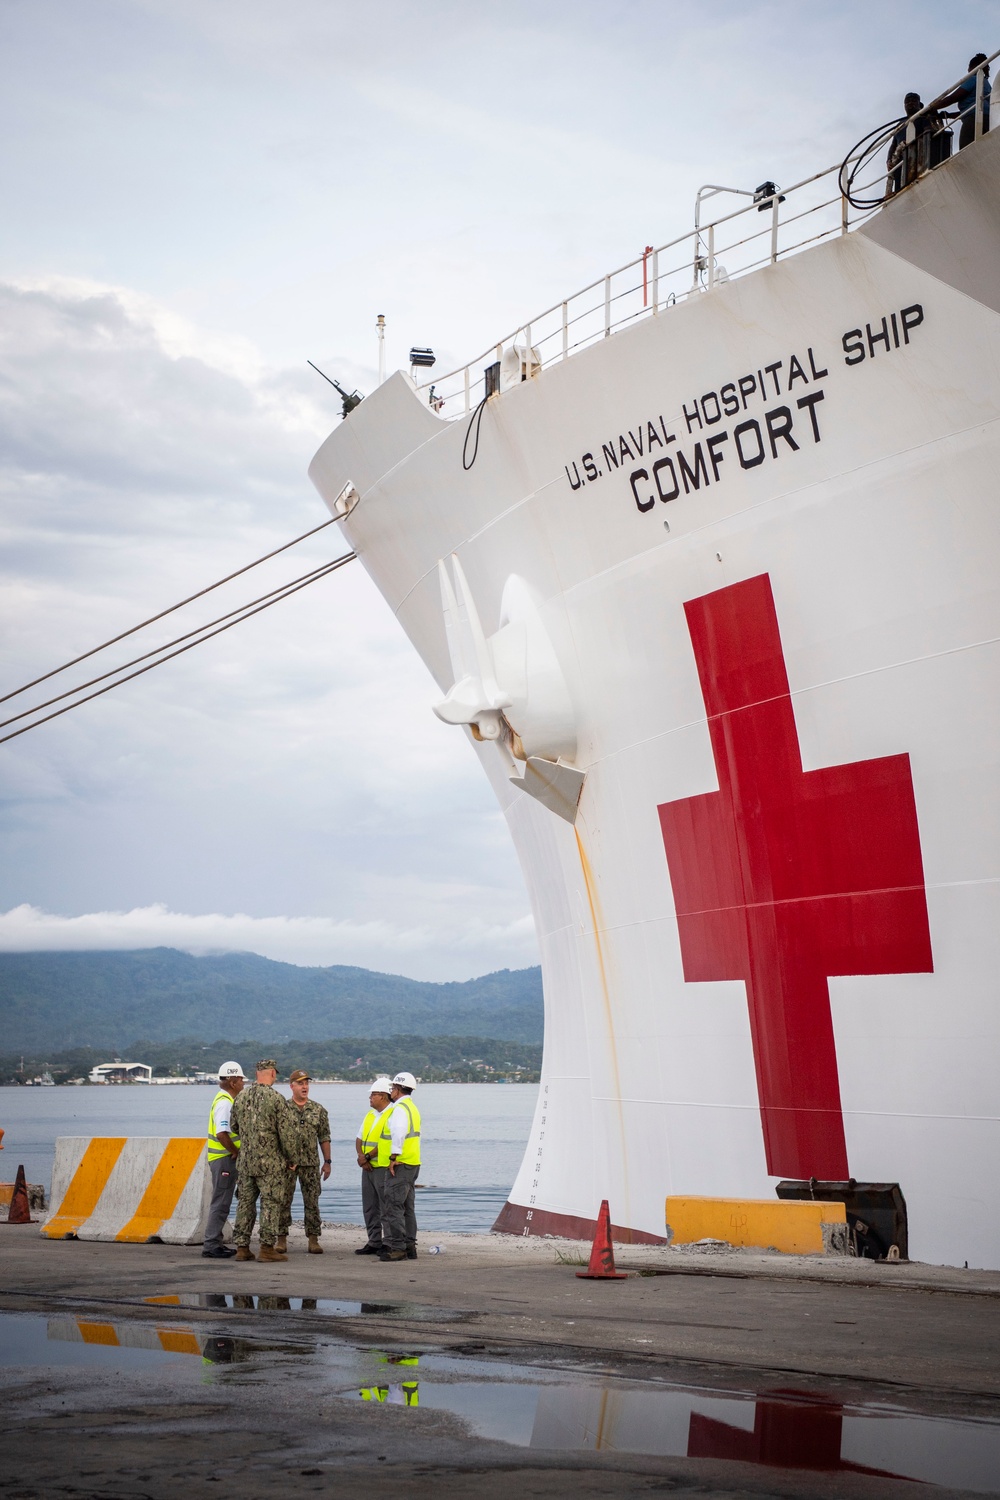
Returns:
<point x="129" y="1188"/>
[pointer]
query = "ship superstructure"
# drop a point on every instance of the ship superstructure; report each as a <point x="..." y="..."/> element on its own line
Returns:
<point x="711" y="580"/>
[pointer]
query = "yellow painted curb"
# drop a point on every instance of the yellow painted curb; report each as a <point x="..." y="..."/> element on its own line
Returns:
<point x="36" y="1195"/>
<point x="807" y="1228"/>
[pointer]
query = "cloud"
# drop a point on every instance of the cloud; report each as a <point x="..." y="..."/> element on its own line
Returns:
<point x="113" y="418"/>
<point x="292" y="764"/>
<point x="376" y="944"/>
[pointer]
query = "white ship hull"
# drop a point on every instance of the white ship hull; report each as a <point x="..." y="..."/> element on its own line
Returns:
<point x="771" y="939"/>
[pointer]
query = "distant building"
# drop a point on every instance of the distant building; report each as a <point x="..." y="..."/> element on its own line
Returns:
<point x="210" y="1078"/>
<point x="121" y="1072"/>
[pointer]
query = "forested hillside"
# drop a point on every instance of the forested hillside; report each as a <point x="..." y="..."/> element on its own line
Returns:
<point x="51" y="1002"/>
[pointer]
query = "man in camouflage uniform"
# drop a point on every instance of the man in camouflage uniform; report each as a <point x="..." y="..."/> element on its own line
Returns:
<point x="309" y="1127"/>
<point x="266" y="1165"/>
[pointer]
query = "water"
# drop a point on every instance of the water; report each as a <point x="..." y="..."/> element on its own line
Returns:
<point x="550" y="1409"/>
<point x="784" y="1429"/>
<point x="330" y="1307"/>
<point x="473" y="1139"/>
<point x="29" y="1341"/>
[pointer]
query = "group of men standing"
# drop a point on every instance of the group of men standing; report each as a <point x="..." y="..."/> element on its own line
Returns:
<point x="260" y="1144"/>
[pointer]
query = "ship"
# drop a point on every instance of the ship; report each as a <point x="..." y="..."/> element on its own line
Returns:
<point x="704" y="560"/>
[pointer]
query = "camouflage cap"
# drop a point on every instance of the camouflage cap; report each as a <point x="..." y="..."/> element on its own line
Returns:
<point x="297" y="1075"/>
<point x="266" y="1062"/>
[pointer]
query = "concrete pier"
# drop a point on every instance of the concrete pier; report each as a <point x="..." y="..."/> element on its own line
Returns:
<point x="842" y="1333"/>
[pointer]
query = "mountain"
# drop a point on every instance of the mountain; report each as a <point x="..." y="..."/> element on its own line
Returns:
<point x="56" y="1001"/>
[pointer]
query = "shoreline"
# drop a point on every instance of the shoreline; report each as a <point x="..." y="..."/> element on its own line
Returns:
<point x="213" y="1083"/>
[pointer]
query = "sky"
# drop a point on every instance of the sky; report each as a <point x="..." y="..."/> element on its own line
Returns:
<point x="200" y="195"/>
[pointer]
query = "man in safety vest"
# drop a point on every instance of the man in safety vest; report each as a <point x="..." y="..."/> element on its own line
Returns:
<point x="223" y="1154"/>
<point x="372" y="1175"/>
<point x="399" y="1152"/>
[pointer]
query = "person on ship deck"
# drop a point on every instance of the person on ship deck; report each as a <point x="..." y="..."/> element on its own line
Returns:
<point x="965" y="97"/>
<point x="919" y="144"/>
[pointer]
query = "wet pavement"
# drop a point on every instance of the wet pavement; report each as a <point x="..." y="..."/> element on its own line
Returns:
<point x="145" y="1371"/>
<point x="821" y="1435"/>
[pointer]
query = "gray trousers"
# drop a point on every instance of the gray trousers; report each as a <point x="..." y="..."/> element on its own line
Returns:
<point x="399" y="1220"/>
<point x="223" y="1171"/>
<point x="371" y="1206"/>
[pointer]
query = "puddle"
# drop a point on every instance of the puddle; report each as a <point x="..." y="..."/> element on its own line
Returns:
<point x="410" y="1312"/>
<point x="785" y="1429"/>
<point x="32" y="1341"/>
<point x="533" y="1407"/>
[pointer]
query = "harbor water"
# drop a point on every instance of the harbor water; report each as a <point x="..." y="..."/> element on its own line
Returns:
<point x="473" y="1138"/>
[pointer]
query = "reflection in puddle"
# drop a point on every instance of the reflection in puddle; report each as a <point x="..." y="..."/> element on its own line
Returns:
<point x="410" y="1312"/>
<point x="786" y="1429"/>
<point x="33" y="1341"/>
<point x="548" y="1409"/>
<point x="400" y="1386"/>
<point x="783" y="1429"/>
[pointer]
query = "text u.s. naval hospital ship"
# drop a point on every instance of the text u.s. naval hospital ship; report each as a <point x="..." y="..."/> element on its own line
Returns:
<point x="710" y="576"/>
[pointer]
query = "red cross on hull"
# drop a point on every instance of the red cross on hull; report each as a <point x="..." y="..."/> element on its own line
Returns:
<point x="784" y="877"/>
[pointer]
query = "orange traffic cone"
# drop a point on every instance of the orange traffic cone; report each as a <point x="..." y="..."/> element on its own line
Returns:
<point x="19" y="1211"/>
<point x="602" y="1256"/>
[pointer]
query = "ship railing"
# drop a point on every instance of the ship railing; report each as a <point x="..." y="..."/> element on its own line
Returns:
<point x="916" y="144"/>
<point x="731" y="245"/>
<point x="776" y="224"/>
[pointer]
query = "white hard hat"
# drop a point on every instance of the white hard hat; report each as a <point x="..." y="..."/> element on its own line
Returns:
<point x="405" y="1080"/>
<point x="231" y="1070"/>
<point x="380" y="1086"/>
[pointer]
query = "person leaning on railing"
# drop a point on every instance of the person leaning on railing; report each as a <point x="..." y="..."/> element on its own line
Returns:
<point x="965" y="98"/>
<point x="918" y="144"/>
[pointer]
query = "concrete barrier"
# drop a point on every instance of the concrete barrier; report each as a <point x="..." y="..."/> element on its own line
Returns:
<point x="797" y="1228"/>
<point x="134" y="1189"/>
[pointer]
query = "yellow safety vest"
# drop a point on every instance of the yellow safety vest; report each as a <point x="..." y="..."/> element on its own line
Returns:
<point x="215" y="1147"/>
<point x="371" y="1129"/>
<point x="410" y="1155"/>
